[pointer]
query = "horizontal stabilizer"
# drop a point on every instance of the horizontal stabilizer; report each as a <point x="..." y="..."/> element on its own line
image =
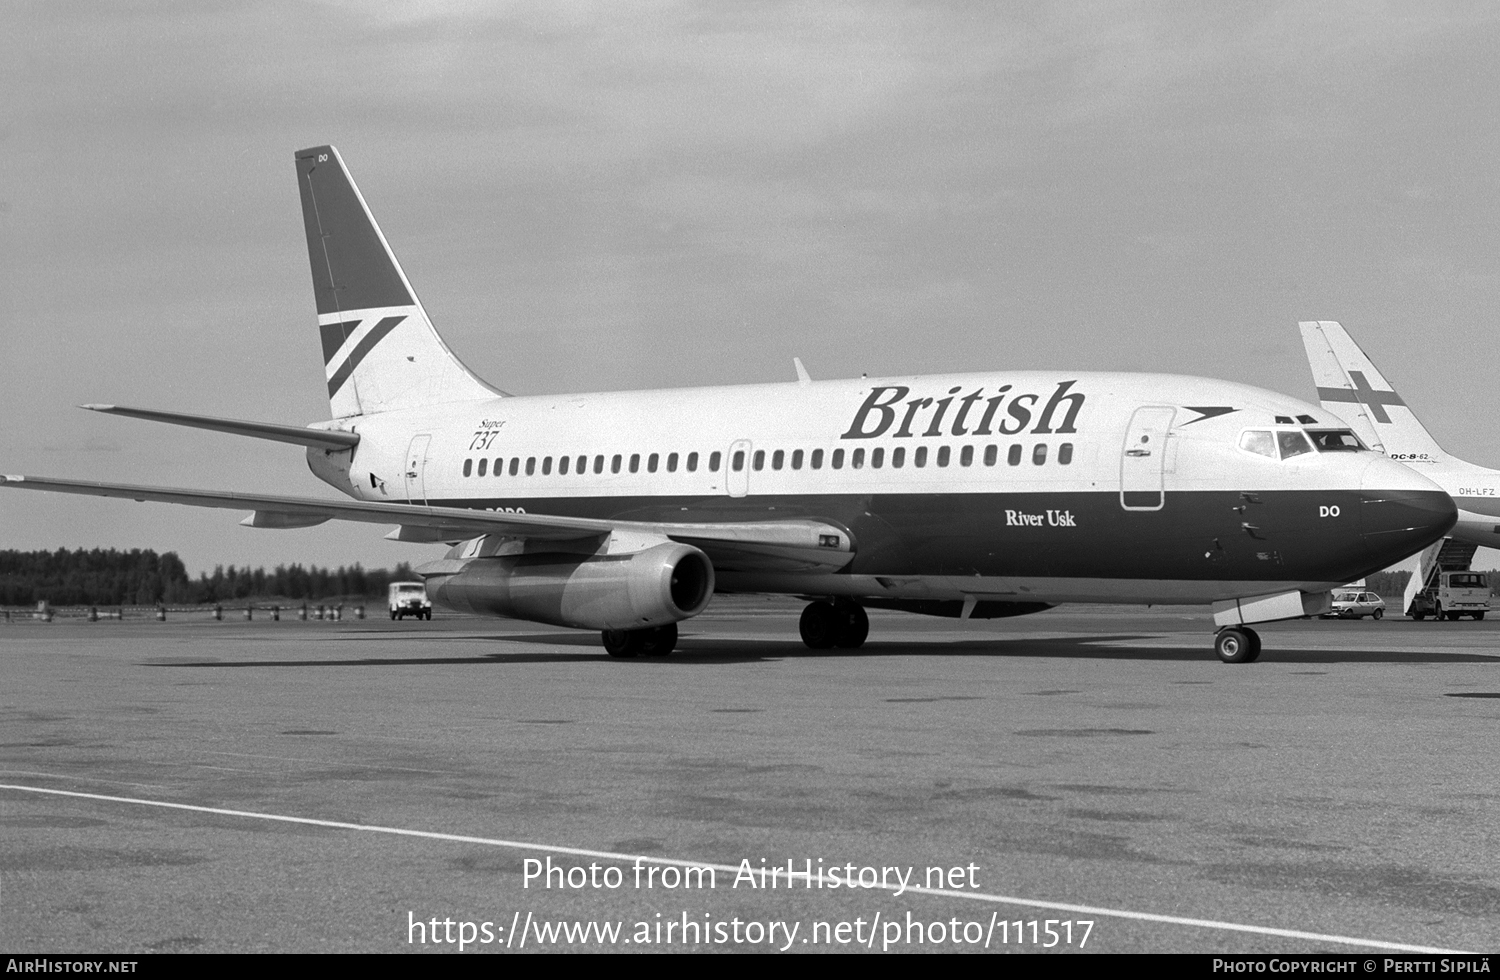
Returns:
<point x="795" y="544"/>
<point x="317" y="438"/>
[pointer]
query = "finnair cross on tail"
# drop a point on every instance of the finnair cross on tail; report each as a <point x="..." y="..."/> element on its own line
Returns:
<point x="1352" y="387"/>
<point x="975" y="495"/>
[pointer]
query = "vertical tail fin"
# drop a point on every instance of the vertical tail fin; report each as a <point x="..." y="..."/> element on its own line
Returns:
<point x="380" y="351"/>
<point x="1350" y="386"/>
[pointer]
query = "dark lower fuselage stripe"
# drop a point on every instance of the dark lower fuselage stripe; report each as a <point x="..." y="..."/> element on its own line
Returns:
<point x="1484" y="506"/>
<point x="1293" y="535"/>
<point x="376" y="334"/>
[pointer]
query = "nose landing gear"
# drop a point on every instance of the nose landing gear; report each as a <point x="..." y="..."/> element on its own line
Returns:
<point x="1237" y="645"/>
<point x="827" y="624"/>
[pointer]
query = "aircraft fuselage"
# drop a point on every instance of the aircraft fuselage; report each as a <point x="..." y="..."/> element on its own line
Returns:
<point x="1006" y="486"/>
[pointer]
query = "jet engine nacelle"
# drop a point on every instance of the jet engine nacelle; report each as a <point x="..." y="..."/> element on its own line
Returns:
<point x="660" y="585"/>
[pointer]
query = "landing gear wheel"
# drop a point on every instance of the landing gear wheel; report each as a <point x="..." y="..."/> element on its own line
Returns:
<point x="660" y="641"/>
<point x="1237" y="645"/>
<point x="854" y="626"/>
<point x="819" y="626"/>
<point x="1377" y="614"/>
<point x="622" y="643"/>
<point x="1254" y="645"/>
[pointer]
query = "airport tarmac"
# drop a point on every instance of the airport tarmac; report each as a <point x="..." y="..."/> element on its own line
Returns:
<point x="1336" y="795"/>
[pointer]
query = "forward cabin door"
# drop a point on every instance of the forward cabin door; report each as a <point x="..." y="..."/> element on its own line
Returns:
<point x="416" y="468"/>
<point x="1143" y="458"/>
<point x="737" y="469"/>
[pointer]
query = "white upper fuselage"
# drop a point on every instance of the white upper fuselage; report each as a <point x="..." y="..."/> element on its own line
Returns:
<point x="1200" y="453"/>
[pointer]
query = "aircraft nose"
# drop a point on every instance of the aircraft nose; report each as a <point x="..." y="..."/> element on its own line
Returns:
<point x="1401" y="511"/>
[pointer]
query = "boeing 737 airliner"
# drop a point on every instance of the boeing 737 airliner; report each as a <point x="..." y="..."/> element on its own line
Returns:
<point x="975" y="495"/>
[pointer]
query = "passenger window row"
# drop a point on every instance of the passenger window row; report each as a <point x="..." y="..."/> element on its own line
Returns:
<point x="517" y="465"/>
<point x="778" y="459"/>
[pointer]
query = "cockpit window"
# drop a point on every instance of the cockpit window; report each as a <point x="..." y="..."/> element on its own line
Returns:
<point x="1292" y="444"/>
<point x="1335" y="440"/>
<point x="1258" y="441"/>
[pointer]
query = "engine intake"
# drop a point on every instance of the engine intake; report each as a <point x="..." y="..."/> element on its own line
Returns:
<point x="660" y="585"/>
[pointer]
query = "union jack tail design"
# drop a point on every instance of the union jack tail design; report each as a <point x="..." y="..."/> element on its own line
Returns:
<point x="380" y="351"/>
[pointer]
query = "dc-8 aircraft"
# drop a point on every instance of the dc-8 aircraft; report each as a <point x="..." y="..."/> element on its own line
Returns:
<point x="1352" y="387"/>
<point x="974" y="495"/>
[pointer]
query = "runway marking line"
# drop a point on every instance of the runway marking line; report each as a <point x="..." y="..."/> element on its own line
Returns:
<point x="1176" y="920"/>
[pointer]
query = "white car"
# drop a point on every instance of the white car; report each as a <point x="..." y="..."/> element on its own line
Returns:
<point x="1356" y="605"/>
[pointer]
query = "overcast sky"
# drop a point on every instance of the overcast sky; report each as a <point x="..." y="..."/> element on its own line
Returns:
<point x="628" y="195"/>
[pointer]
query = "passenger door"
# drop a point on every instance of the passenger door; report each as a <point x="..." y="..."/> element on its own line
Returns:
<point x="737" y="469"/>
<point x="1143" y="457"/>
<point x="416" y="468"/>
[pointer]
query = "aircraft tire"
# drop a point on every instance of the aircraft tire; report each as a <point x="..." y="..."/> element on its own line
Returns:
<point x="1237" y="645"/>
<point x="660" y="641"/>
<point x="622" y="643"/>
<point x="854" y="627"/>
<point x="819" y="626"/>
<point x="1377" y="614"/>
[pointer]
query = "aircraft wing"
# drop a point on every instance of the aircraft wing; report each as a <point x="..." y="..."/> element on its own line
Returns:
<point x="739" y="546"/>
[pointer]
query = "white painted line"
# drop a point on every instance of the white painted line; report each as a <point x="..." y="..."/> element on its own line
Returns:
<point x="1175" y="920"/>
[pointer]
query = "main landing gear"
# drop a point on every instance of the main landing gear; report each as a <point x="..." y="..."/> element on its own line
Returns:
<point x="657" y="641"/>
<point x="834" y="624"/>
<point x="1237" y="645"/>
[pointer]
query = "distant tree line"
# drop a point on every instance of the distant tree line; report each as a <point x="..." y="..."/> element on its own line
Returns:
<point x="1387" y="584"/>
<point x="142" y="577"/>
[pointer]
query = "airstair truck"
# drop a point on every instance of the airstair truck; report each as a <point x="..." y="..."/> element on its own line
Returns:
<point x="1444" y="586"/>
